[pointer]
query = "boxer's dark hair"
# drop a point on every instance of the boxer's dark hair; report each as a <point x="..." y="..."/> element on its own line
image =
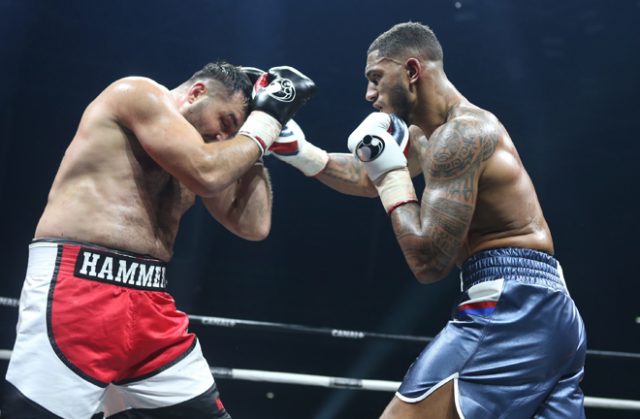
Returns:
<point x="409" y="38"/>
<point x="231" y="76"/>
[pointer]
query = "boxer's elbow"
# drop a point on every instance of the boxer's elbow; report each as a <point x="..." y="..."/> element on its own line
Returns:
<point x="369" y="192"/>
<point x="204" y="191"/>
<point x="427" y="275"/>
<point x="255" y="233"/>
<point x="427" y="263"/>
<point x="261" y="231"/>
<point x="208" y="184"/>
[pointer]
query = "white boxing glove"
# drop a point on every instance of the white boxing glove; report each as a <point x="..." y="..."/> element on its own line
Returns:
<point x="292" y="147"/>
<point x="380" y="143"/>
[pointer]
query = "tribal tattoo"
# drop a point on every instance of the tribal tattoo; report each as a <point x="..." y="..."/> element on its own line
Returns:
<point x="452" y="162"/>
<point x="342" y="167"/>
<point x="344" y="174"/>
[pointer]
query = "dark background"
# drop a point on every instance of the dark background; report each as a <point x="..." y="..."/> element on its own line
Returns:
<point x="562" y="76"/>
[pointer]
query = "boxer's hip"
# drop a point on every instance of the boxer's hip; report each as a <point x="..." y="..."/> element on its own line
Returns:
<point x="521" y="264"/>
<point x="106" y="312"/>
<point x="514" y="334"/>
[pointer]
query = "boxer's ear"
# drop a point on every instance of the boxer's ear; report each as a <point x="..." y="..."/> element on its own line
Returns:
<point x="413" y="67"/>
<point x="196" y="90"/>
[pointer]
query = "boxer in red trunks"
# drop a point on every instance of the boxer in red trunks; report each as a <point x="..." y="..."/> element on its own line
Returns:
<point x="96" y="325"/>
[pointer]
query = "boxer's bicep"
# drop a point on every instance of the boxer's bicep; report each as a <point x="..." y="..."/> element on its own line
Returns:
<point x="165" y="135"/>
<point x="431" y="235"/>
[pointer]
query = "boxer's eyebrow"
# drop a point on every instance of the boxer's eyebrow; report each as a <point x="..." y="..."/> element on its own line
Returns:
<point x="234" y="120"/>
<point x="230" y="123"/>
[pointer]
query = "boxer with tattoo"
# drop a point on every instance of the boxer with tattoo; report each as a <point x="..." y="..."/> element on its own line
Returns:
<point x="515" y="346"/>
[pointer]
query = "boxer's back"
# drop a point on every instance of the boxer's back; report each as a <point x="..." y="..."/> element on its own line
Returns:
<point x="109" y="191"/>
<point x="507" y="212"/>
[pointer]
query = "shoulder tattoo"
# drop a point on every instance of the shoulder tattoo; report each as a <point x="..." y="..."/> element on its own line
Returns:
<point x="460" y="148"/>
<point x="489" y="146"/>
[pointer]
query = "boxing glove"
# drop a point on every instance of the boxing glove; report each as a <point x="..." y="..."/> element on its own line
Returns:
<point x="279" y="93"/>
<point x="282" y="91"/>
<point x="380" y="143"/>
<point x="292" y="147"/>
<point x="252" y="72"/>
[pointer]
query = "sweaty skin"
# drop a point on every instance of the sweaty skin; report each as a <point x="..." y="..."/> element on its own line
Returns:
<point x="477" y="193"/>
<point x="139" y="157"/>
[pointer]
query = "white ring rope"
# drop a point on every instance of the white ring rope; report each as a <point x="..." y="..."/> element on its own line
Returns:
<point x="356" y="384"/>
<point x="374" y="385"/>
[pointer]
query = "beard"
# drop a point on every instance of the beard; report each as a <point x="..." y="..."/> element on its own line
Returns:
<point x="399" y="102"/>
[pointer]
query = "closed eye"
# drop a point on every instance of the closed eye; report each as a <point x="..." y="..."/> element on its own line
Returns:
<point x="229" y="123"/>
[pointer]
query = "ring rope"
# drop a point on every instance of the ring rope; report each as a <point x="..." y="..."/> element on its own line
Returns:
<point x="326" y="331"/>
<point x="296" y="328"/>
<point x="356" y="384"/>
<point x="374" y="385"/>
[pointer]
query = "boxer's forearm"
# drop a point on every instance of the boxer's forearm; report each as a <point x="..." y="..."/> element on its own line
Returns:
<point x="344" y="174"/>
<point x="431" y="235"/>
<point x="244" y="207"/>
<point x="252" y="204"/>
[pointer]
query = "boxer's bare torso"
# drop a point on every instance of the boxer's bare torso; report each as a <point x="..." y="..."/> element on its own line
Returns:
<point x="477" y="193"/>
<point x="108" y="189"/>
<point x="506" y="211"/>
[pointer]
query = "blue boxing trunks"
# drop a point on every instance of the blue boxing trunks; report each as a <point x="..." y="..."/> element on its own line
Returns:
<point x="97" y="331"/>
<point x="516" y="344"/>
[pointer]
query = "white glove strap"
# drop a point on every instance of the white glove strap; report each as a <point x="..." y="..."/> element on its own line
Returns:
<point x="395" y="189"/>
<point x="261" y="128"/>
<point x="310" y="159"/>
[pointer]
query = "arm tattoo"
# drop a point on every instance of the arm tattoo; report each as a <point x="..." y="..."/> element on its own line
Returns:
<point x="453" y="157"/>
<point x="344" y="174"/>
<point x="456" y="157"/>
<point x="420" y="255"/>
<point x="432" y="238"/>
<point x="448" y="215"/>
<point x="488" y="147"/>
<point x="343" y="167"/>
<point x="448" y="228"/>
